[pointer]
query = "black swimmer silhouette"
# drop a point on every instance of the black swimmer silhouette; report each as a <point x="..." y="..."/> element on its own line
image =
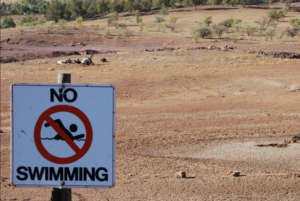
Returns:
<point x="73" y="128"/>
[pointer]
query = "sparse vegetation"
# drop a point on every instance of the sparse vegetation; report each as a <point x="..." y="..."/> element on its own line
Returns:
<point x="203" y="32"/>
<point x="159" y="19"/>
<point x="234" y="36"/>
<point x="7" y="22"/>
<point x="207" y="20"/>
<point x="106" y="33"/>
<point x="269" y="33"/>
<point x="249" y="29"/>
<point x="275" y="14"/>
<point x="292" y="32"/>
<point x="163" y="11"/>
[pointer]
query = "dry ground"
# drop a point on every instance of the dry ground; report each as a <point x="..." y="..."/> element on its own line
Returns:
<point x="202" y="112"/>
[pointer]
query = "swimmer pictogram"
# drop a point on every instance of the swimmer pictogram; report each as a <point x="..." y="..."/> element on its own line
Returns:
<point x="73" y="128"/>
<point x="63" y="133"/>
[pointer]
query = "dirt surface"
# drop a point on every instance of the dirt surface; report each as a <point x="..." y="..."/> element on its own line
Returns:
<point x="203" y="112"/>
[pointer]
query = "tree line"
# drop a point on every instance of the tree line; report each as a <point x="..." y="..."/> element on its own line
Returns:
<point x="71" y="9"/>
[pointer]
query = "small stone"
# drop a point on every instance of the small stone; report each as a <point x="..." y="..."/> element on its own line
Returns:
<point x="229" y="173"/>
<point x="50" y="68"/>
<point x="130" y="175"/>
<point x="180" y="175"/>
<point x="79" y="76"/>
<point x="236" y="174"/>
<point x="241" y="90"/>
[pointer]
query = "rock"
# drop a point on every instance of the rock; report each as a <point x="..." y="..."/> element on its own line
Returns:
<point x="241" y="90"/>
<point x="229" y="173"/>
<point x="210" y="47"/>
<point x="236" y="174"/>
<point x="180" y="175"/>
<point x="50" y="68"/>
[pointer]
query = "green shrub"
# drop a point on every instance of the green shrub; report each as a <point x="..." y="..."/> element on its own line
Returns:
<point x="292" y="32"/>
<point x="79" y="19"/>
<point x="295" y="22"/>
<point x="275" y="15"/>
<point x="106" y="33"/>
<point x="141" y="25"/>
<point x="48" y="26"/>
<point x="125" y="32"/>
<point x="249" y="29"/>
<point x="203" y="32"/>
<point x="138" y="19"/>
<point x="270" y="32"/>
<point x="286" y="9"/>
<point x="7" y="22"/>
<point x="207" y="19"/>
<point x="234" y="36"/>
<point x="163" y="11"/>
<point x="31" y="21"/>
<point x="158" y="19"/>
<point x="219" y="30"/>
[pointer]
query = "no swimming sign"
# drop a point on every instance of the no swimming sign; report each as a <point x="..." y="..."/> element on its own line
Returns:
<point x="63" y="135"/>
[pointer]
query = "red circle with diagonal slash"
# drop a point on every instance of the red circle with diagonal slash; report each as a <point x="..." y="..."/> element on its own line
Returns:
<point x="45" y="116"/>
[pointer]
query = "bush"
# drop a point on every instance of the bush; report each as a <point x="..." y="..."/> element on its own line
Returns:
<point x="295" y="22"/>
<point x="31" y="21"/>
<point x="48" y="25"/>
<point x="163" y="11"/>
<point x="79" y="19"/>
<point x="265" y="22"/>
<point x="7" y="22"/>
<point x="138" y="19"/>
<point x="158" y="19"/>
<point x="172" y="21"/>
<point x="249" y="29"/>
<point x="203" y="32"/>
<point x="276" y="15"/>
<point x="234" y="36"/>
<point x="219" y="30"/>
<point x="270" y="32"/>
<point x="125" y="32"/>
<point x="286" y="9"/>
<point x="106" y="33"/>
<point x="141" y="25"/>
<point x="207" y="19"/>
<point x="292" y="32"/>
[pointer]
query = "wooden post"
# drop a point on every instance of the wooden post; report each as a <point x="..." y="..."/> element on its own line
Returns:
<point x="62" y="194"/>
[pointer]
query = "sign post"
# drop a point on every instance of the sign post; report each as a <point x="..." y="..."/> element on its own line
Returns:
<point x="61" y="194"/>
<point x="63" y="136"/>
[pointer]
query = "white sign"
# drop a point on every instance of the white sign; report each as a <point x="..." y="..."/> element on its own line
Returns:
<point x="63" y="135"/>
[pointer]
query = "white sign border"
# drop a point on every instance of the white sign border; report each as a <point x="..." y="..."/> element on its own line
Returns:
<point x="113" y="134"/>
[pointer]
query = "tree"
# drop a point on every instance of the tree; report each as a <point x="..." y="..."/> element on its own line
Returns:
<point x="197" y="2"/>
<point x="292" y="32"/>
<point x="55" y="11"/>
<point x="129" y="6"/>
<point x="156" y="4"/>
<point x="163" y="11"/>
<point x="295" y="22"/>
<point x="90" y="8"/>
<point x="76" y="9"/>
<point x="207" y="19"/>
<point x="249" y="29"/>
<point x="275" y="15"/>
<point x="103" y="6"/>
<point x="172" y="3"/>
<point x="270" y="32"/>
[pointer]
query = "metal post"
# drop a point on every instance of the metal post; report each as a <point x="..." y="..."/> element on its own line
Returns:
<point x="62" y="194"/>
